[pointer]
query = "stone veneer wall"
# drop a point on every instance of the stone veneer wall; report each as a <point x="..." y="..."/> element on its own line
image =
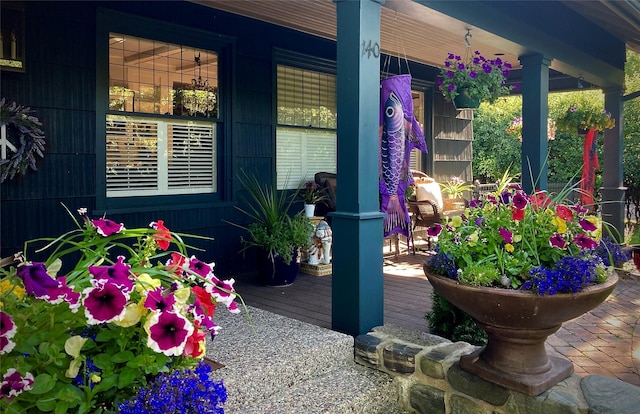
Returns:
<point x="429" y="380"/>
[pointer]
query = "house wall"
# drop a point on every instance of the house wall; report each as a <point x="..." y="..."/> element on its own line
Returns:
<point x="62" y="83"/>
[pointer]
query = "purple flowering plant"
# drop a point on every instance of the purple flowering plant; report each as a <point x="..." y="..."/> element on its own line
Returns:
<point x="514" y="240"/>
<point x="485" y="79"/>
<point x="104" y="313"/>
<point x="311" y="193"/>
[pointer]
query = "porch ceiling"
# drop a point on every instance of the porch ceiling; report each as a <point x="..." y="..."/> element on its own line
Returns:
<point x="424" y="35"/>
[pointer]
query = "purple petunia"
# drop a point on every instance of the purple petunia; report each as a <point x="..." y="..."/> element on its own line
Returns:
<point x="557" y="241"/>
<point x="585" y="242"/>
<point x="520" y="201"/>
<point x="13" y="383"/>
<point x="505" y="197"/>
<point x="157" y="300"/>
<point x="168" y="333"/>
<point x="435" y="230"/>
<point x="587" y="225"/>
<point x="117" y="273"/>
<point x="475" y="203"/>
<point x="506" y="235"/>
<point x="104" y="302"/>
<point x="479" y="221"/>
<point x="36" y="279"/>
<point x="106" y="227"/>
<point x="199" y="267"/>
<point x="64" y="292"/>
<point x="8" y="330"/>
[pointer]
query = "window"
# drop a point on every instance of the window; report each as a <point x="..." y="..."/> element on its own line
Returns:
<point x="160" y="129"/>
<point x="418" y="112"/>
<point x="306" y="133"/>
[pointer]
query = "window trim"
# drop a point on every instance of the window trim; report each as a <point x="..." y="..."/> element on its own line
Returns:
<point x="108" y="21"/>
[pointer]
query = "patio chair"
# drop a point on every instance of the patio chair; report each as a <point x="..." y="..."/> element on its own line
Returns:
<point x="426" y="206"/>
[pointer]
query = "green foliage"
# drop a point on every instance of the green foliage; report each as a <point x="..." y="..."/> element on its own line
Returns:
<point x="273" y="229"/>
<point x="445" y="320"/>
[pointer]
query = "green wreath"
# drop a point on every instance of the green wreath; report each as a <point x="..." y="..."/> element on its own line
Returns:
<point x="17" y="123"/>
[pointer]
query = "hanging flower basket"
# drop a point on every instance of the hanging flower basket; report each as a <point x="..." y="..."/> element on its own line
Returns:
<point x="465" y="101"/>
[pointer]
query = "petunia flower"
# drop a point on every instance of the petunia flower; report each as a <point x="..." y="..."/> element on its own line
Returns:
<point x="204" y="299"/>
<point x="475" y="203"/>
<point x="8" y="330"/>
<point x="557" y="240"/>
<point x="64" y="293"/>
<point x="196" y="343"/>
<point x="13" y="383"/>
<point x="104" y="302"/>
<point x="506" y="235"/>
<point x="585" y="242"/>
<point x="564" y="212"/>
<point x="168" y="333"/>
<point x="435" y="230"/>
<point x="133" y="312"/>
<point x="520" y="201"/>
<point x="106" y="227"/>
<point x="505" y="197"/>
<point x="117" y="273"/>
<point x="587" y="225"/>
<point x="163" y="236"/>
<point x="517" y="214"/>
<point x="199" y="267"/>
<point x="223" y="291"/>
<point x="177" y="264"/>
<point x="36" y="280"/>
<point x="160" y="300"/>
<point x="509" y="247"/>
<point x="560" y="224"/>
<point x="540" y="199"/>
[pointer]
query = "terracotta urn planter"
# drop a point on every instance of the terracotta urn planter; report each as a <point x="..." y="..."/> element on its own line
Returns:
<point x="518" y="324"/>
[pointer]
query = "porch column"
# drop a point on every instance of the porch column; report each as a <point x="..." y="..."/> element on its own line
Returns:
<point x="535" y="110"/>
<point x="357" y="285"/>
<point x="613" y="193"/>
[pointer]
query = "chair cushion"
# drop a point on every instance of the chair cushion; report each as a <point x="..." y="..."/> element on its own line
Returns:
<point x="429" y="191"/>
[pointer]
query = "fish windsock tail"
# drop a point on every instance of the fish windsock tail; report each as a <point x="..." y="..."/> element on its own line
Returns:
<point x="396" y="219"/>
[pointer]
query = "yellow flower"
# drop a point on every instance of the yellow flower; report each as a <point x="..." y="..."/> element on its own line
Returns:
<point x="517" y="238"/>
<point x="7" y="286"/>
<point x="74" y="368"/>
<point x="73" y="345"/>
<point x="182" y="295"/>
<point x="597" y="233"/>
<point x="473" y="238"/>
<point x="456" y="221"/>
<point x="509" y="247"/>
<point x="560" y="224"/>
<point x="144" y="282"/>
<point x="96" y="378"/>
<point x="132" y="314"/>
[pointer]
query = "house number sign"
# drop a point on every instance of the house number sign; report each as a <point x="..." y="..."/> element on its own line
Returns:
<point x="370" y="48"/>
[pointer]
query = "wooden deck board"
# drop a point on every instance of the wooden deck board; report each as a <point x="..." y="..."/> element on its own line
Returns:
<point x="407" y="294"/>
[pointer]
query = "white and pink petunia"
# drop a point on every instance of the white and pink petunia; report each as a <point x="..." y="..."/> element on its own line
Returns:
<point x="13" y="383"/>
<point x="8" y="330"/>
<point x="106" y="227"/>
<point x="168" y="333"/>
<point x="103" y="302"/>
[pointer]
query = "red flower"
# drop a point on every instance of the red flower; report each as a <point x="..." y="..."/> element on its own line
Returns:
<point x="204" y="298"/>
<point x="163" y="236"/>
<point x="539" y="199"/>
<point x="517" y="214"/>
<point x="564" y="213"/>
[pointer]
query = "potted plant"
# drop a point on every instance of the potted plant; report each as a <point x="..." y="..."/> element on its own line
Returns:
<point x="515" y="129"/>
<point x="468" y="82"/>
<point x="311" y="194"/>
<point x="455" y="188"/>
<point x="521" y="265"/>
<point x="107" y="310"/>
<point x="580" y="118"/>
<point x="277" y="235"/>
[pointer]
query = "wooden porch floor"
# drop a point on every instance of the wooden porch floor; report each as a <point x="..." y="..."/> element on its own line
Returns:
<point x="407" y="294"/>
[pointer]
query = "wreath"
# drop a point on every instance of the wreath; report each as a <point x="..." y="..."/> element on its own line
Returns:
<point x="19" y="127"/>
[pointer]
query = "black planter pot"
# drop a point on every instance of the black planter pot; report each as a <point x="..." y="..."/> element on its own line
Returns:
<point x="464" y="101"/>
<point x="276" y="272"/>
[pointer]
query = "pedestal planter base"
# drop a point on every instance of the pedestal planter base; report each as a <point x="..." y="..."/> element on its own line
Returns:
<point x="517" y="325"/>
<point x="529" y="384"/>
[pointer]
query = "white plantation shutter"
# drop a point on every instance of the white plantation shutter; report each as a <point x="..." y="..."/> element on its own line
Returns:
<point x="152" y="157"/>
<point x="302" y="153"/>
<point x="191" y="156"/>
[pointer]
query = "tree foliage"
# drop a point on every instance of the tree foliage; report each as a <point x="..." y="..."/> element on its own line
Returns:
<point x="495" y="150"/>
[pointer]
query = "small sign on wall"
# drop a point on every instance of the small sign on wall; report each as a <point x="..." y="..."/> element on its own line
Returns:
<point x="12" y="36"/>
